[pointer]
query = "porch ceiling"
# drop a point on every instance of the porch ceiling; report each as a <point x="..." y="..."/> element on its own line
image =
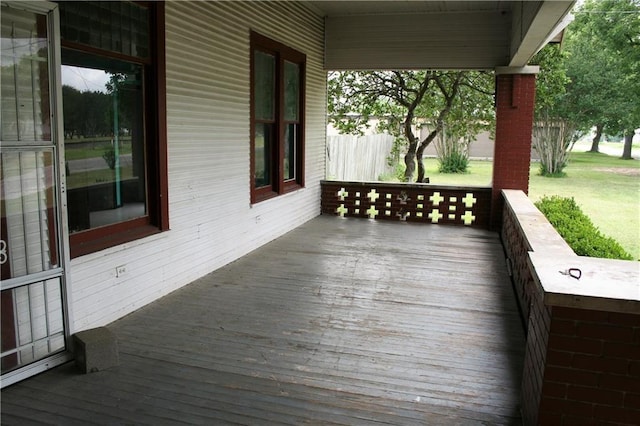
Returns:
<point x="438" y="34"/>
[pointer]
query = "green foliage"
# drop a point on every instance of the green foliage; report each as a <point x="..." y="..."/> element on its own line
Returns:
<point x="399" y="145"/>
<point x="397" y="175"/>
<point x="544" y="171"/>
<point x="594" y="80"/>
<point x="551" y="82"/>
<point x="577" y="229"/>
<point x="401" y="101"/>
<point x="555" y="129"/>
<point x="454" y="162"/>
<point x="109" y="156"/>
<point x="86" y="113"/>
<point x="453" y="151"/>
<point x="603" y="63"/>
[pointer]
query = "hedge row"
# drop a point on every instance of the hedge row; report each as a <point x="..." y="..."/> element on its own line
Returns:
<point x="577" y="229"/>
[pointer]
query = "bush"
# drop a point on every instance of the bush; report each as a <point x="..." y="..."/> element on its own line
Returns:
<point x="578" y="231"/>
<point x="454" y="162"/>
<point x="109" y="156"/>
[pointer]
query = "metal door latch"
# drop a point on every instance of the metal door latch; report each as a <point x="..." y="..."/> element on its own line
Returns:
<point x="572" y="272"/>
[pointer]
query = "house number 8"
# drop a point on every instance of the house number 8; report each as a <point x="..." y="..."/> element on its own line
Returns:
<point x="3" y="252"/>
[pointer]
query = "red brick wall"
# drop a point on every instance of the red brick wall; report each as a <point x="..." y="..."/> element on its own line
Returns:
<point x="592" y="373"/>
<point x="581" y="367"/>
<point x="535" y="360"/>
<point x="515" y="99"/>
<point x="517" y="252"/>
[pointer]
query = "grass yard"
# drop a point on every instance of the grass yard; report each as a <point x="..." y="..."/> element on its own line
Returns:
<point x="82" y="179"/>
<point x="83" y="148"/>
<point x="606" y="188"/>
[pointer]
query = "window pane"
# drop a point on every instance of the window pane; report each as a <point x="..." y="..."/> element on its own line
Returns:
<point x="104" y="140"/>
<point x="32" y="323"/>
<point x="121" y="27"/>
<point x="27" y="204"/>
<point x="263" y="143"/>
<point x="25" y="82"/>
<point x="290" y="143"/>
<point x="264" y="85"/>
<point x="291" y="91"/>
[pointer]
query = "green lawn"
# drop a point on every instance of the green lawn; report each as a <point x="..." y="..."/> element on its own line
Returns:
<point x="605" y="187"/>
<point x="83" y="148"/>
<point x="88" y="178"/>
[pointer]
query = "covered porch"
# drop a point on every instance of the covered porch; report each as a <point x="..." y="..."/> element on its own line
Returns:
<point x="337" y="320"/>
<point x="340" y="321"/>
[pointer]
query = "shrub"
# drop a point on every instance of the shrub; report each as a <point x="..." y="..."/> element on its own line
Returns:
<point x="109" y="156"/>
<point x="453" y="153"/>
<point x="577" y="229"/>
<point x="456" y="162"/>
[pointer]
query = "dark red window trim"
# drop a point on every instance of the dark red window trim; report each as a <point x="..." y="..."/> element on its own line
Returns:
<point x="157" y="220"/>
<point x="278" y="185"/>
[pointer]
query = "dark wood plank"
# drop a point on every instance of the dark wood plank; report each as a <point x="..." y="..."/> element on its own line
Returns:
<point x="342" y="321"/>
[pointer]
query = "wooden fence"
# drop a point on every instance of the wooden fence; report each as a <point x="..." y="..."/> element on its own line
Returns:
<point x="358" y="158"/>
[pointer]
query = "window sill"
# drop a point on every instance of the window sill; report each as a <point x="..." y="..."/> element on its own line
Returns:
<point x="263" y="195"/>
<point x="78" y="249"/>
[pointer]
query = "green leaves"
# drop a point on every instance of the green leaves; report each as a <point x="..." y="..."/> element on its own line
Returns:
<point x="577" y="229"/>
<point x="402" y="101"/>
<point x="604" y="64"/>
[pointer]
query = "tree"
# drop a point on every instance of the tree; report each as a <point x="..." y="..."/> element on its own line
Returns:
<point x="604" y="66"/>
<point x="472" y="112"/>
<point x="72" y="111"/>
<point x="401" y="99"/>
<point x="85" y="113"/>
<point x="555" y="126"/>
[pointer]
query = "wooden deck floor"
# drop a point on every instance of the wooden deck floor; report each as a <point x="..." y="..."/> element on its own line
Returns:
<point x="342" y="321"/>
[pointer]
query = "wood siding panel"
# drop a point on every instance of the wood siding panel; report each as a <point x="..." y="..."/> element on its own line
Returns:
<point x="212" y="221"/>
<point x="471" y="40"/>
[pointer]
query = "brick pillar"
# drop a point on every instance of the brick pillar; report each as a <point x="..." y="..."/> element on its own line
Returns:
<point x="515" y="98"/>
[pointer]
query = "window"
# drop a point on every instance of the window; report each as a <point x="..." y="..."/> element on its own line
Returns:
<point x="277" y="118"/>
<point x="113" y="95"/>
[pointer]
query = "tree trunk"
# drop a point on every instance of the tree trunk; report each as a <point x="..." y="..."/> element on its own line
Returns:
<point x="420" y="151"/>
<point x="410" y="158"/>
<point x="410" y="163"/>
<point x="626" y="151"/>
<point x="596" y="139"/>
<point x="421" y="171"/>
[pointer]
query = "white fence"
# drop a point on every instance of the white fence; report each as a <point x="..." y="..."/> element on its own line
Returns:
<point x="358" y="158"/>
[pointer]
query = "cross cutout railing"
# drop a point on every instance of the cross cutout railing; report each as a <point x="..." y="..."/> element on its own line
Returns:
<point x="424" y="203"/>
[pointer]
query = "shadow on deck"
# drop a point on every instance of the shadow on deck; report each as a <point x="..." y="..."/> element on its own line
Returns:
<point x="341" y="321"/>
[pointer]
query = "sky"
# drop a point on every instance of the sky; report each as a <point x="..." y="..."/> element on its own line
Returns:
<point x="84" y="79"/>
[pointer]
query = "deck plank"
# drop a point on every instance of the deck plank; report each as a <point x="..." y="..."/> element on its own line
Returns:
<point x="341" y="321"/>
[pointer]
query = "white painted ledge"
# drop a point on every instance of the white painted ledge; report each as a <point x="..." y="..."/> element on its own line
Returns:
<point x="540" y="235"/>
<point x="605" y="285"/>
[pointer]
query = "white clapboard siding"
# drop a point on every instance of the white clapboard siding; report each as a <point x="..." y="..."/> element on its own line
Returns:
<point x="212" y="221"/>
<point x="358" y="158"/>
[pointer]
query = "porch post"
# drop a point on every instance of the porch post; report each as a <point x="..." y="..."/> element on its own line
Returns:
<point x="515" y="98"/>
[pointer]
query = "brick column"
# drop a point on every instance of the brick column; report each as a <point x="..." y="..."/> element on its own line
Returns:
<point x="515" y="98"/>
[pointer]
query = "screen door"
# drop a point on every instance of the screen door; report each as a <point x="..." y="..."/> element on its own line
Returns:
<point x="33" y="301"/>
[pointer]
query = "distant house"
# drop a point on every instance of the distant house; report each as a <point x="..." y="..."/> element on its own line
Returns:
<point x="481" y="148"/>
